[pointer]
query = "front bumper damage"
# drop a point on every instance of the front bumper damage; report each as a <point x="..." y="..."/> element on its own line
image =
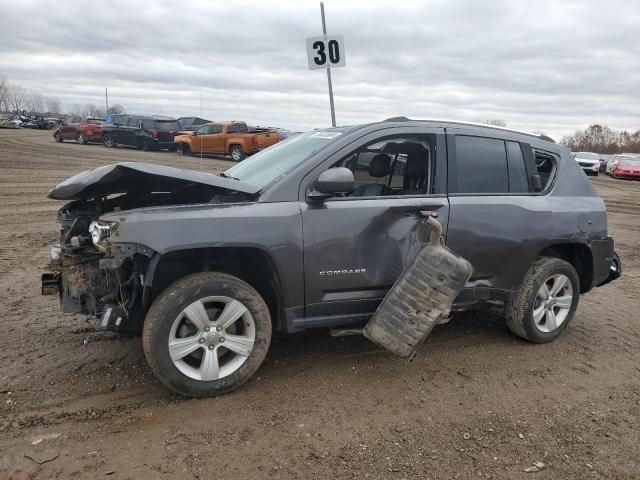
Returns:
<point x="108" y="286"/>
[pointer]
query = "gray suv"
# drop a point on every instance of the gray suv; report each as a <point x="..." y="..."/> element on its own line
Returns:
<point x="314" y="231"/>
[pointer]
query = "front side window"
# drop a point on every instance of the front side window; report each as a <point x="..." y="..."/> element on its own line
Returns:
<point x="394" y="166"/>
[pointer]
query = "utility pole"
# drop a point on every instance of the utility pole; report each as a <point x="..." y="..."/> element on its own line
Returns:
<point x="324" y="32"/>
<point x="106" y="101"/>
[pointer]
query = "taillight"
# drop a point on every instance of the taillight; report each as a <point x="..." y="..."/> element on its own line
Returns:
<point x="154" y="134"/>
<point x="254" y="141"/>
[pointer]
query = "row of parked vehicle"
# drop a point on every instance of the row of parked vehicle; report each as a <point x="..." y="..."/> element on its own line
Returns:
<point x="626" y="165"/>
<point x="28" y="121"/>
<point x="187" y="135"/>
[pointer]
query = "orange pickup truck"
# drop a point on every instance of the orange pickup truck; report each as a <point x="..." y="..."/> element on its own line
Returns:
<point x="226" y="138"/>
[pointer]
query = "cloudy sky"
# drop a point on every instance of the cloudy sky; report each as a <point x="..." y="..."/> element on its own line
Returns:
<point x="543" y="65"/>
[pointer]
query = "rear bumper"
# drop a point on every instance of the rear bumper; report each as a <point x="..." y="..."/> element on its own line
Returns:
<point x="607" y="266"/>
<point x="161" y="144"/>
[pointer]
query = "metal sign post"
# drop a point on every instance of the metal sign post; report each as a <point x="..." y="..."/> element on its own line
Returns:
<point x="326" y="52"/>
<point x="324" y="32"/>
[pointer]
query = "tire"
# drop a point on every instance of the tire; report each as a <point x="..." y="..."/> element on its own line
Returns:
<point x="184" y="149"/>
<point x="236" y="153"/>
<point x="58" y="138"/>
<point x="167" y="317"/>
<point x="521" y="310"/>
<point x="107" y="141"/>
<point x="82" y="140"/>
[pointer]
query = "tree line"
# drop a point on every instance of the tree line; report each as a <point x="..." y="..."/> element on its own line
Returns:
<point x="602" y="139"/>
<point x="15" y="98"/>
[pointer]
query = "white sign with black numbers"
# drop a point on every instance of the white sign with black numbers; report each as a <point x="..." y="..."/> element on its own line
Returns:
<point x="325" y="52"/>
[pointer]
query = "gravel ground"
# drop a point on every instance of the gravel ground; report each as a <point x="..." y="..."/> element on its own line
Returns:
<point x="475" y="403"/>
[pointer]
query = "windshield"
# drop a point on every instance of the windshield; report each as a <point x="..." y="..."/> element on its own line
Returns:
<point x="268" y="165"/>
<point x="631" y="162"/>
<point x="167" y="126"/>
<point x="588" y="156"/>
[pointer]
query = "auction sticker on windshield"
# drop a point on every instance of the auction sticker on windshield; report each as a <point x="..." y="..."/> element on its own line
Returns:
<point x="327" y="135"/>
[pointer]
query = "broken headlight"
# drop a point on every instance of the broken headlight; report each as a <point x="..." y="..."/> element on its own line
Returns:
<point x="99" y="231"/>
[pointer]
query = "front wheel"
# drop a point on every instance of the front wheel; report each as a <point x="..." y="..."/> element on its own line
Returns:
<point x="545" y="302"/>
<point x="236" y="153"/>
<point x="82" y="139"/>
<point x="58" y="138"/>
<point x="206" y="334"/>
<point x="184" y="149"/>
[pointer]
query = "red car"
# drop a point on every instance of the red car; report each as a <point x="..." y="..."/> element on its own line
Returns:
<point x="627" y="168"/>
<point x="81" y="129"/>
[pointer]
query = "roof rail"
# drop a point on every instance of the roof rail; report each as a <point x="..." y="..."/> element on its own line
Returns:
<point x="473" y="124"/>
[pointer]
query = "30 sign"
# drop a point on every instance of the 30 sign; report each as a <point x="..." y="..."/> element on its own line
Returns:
<point x="325" y="52"/>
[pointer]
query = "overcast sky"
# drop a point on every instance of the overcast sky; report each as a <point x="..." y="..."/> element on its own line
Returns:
<point x="543" y="65"/>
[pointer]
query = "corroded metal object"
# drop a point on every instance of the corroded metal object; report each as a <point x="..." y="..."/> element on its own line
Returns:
<point x="421" y="298"/>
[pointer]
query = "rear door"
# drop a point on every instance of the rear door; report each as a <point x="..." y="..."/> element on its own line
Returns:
<point x="495" y="219"/>
<point x="355" y="247"/>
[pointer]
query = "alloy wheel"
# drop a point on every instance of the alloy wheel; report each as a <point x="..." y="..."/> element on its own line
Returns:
<point x="552" y="303"/>
<point x="212" y="338"/>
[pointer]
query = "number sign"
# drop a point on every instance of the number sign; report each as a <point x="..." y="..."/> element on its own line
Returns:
<point x="325" y="52"/>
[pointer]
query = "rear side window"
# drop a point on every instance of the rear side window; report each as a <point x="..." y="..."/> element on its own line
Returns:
<point x="132" y="122"/>
<point x="518" y="182"/>
<point x="481" y="165"/>
<point x="147" y="124"/>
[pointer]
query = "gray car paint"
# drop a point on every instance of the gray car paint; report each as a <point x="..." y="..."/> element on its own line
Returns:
<point x="499" y="234"/>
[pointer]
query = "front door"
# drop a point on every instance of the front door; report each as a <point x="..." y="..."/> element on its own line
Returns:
<point x="213" y="140"/>
<point x="356" y="246"/>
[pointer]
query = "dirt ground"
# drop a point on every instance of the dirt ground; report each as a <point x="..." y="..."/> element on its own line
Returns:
<point x="475" y="403"/>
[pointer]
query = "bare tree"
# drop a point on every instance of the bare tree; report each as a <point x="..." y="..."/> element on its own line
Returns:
<point x="16" y="96"/>
<point x="601" y="139"/>
<point x="117" y="109"/>
<point x="53" y="105"/>
<point x="34" y="102"/>
<point x="4" y="101"/>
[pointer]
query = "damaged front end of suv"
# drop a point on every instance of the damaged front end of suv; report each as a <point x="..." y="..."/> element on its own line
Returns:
<point x="91" y="271"/>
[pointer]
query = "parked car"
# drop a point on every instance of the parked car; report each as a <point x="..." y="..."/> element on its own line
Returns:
<point x="589" y="162"/>
<point x="145" y="133"/>
<point x="189" y="124"/>
<point x="226" y="138"/>
<point x="114" y="118"/>
<point x="627" y="167"/>
<point x="83" y="130"/>
<point x="296" y="237"/>
<point x="615" y="160"/>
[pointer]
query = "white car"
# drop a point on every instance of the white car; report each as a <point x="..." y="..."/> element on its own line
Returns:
<point x="589" y="162"/>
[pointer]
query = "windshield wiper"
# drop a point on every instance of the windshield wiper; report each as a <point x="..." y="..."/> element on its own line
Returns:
<point x="226" y="175"/>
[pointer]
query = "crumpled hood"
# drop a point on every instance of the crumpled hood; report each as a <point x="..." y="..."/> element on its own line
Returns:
<point x="127" y="177"/>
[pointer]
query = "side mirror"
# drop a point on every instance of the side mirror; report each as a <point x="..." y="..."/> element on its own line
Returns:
<point x="331" y="182"/>
<point x="536" y="183"/>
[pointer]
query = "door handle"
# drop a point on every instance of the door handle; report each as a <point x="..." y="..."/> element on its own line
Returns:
<point x="429" y="213"/>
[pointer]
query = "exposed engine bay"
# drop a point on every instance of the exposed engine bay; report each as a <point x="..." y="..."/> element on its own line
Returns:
<point x="98" y="277"/>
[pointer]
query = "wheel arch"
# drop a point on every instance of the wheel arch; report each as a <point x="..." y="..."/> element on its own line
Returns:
<point x="579" y="255"/>
<point x="251" y="264"/>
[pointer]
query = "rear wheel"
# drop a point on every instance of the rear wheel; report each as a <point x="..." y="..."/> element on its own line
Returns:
<point x="206" y="334"/>
<point x="236" y="153"/>
<point x="107" y="141"/>
<point x="82" y="139"/>
<point x="546" y="301"/>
